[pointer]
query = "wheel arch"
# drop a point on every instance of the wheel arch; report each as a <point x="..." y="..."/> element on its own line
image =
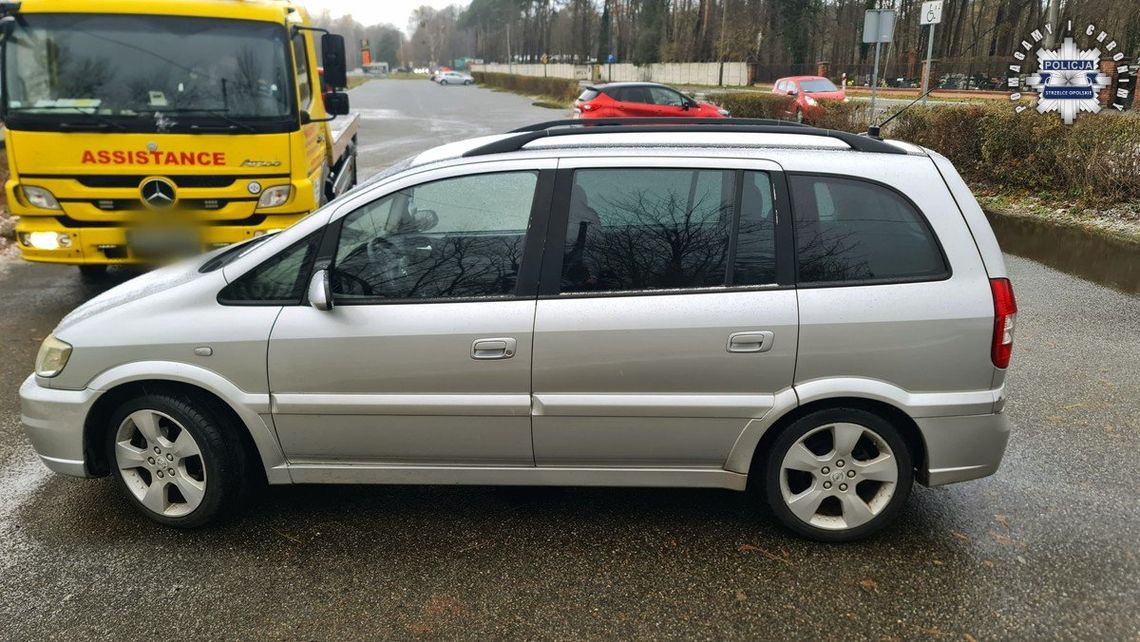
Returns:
<point x="258" y="438"/>
<point x="905" y="424"/>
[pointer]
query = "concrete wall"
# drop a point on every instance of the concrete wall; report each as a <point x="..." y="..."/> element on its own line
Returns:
<point x="670" y="73"/>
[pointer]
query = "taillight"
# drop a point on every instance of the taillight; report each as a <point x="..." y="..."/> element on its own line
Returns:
<point x="586" y="107"/>
<point x="1005" y="318"/>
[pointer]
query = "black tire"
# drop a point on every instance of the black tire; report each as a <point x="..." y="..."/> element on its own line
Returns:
<point x="443" y="82"/>
<point x="223" y="459"/>
<point x="791" y="435"/>
<point x="92" y="273"/>
<point x="466" y="82"/>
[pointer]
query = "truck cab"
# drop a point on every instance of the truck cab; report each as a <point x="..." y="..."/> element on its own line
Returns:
<point x="141" y="130"/>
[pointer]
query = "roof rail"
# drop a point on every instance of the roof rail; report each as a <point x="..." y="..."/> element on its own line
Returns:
<point x="675" y="120"/>
<point x="524" y="135"/>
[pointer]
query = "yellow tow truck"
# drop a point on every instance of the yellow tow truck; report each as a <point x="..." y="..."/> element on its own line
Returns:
<point x="141" y="129"/>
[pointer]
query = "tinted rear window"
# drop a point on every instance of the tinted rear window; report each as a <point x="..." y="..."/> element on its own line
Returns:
<point x="850" y="230"/>
<point x="588" y="94"/>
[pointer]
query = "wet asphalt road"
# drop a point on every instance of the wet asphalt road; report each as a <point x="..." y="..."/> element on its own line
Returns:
<point x="1049" y="548"/>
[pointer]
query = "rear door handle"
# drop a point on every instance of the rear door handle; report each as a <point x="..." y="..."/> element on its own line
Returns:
<point x="496" y="348"/>
<point x="760" y="341"/>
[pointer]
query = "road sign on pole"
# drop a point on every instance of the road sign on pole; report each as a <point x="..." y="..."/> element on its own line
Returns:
<point x="931" y="15"/>
<point x="878" y="27"/>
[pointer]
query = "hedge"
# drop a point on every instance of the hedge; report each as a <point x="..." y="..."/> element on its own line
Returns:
<point x="561" y="89"/>
<point x="1096" y="159"/>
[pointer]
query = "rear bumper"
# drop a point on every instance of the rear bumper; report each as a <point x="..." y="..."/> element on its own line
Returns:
<point x="964" y="447"/>
<point x="53" y="421"/>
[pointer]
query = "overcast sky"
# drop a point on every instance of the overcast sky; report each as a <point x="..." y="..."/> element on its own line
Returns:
<point x="370" y="12"/>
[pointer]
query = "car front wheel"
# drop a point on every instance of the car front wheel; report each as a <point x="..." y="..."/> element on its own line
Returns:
<point x="443" y="82"/>
<point x="177" y="457"/>
<point x="838" y="475"/>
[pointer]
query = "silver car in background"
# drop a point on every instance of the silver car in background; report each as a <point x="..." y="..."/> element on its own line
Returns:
<point x="454" y="78"/>
<point x="728" y="304"/>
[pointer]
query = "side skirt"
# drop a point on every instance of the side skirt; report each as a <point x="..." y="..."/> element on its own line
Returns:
<point x="345" y="473"/>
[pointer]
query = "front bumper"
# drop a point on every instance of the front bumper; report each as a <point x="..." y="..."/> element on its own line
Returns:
<point x="53" y="421"/>
<point x="108" y="245"/>
<point x="964" y="447"/>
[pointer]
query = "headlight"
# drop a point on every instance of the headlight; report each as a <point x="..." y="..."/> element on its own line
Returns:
<point x="811" y="101"/>
<point x="46" y="240"/>
<point x="846" y="99"/>
<point x="52" y="356"/>
<point x="40" y="197"/>
<point x="725" y="113"/>
<point x="275" y="196"/>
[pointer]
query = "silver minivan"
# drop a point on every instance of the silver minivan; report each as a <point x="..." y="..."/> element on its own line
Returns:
<point x="819" y="316"/>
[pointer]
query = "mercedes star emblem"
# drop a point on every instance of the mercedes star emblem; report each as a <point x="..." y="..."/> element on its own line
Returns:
<point x="157" y="193"/>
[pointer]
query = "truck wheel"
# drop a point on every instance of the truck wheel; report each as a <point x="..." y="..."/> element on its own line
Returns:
<point x="92" y="273"/>
<point x="178" y="458"/>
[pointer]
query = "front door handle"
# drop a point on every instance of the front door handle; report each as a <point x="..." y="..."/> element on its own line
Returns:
<point x="750" y="341"/>
<point x="497" y="348"/>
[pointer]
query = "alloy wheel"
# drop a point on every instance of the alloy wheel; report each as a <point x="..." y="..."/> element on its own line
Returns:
<point x="838" y="476"/>
<point x="160" y="463"/>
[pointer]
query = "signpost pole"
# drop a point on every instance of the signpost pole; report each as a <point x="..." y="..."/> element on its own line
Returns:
<point x="926" y="74"/>
<point x="930" y="16"/>
<point x="875" y="80"/>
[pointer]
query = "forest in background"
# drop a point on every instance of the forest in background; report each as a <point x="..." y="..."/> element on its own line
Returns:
<point x="786" y="35"/>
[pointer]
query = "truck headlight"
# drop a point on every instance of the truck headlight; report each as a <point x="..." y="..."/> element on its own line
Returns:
<point x="52" y="356"/>
<point x="45" y="240"/>
<point x="40" y="197"/>
<point x="275" y="196"/>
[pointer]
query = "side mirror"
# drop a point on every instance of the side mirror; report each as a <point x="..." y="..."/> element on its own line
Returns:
<point x="336" y="104"/>
<point x="334" y="61"/>
<point x="320" y="291"/>
<point x="7" y="26"/>
<point x="792" y="92"/>
<point x="425" y="220"/>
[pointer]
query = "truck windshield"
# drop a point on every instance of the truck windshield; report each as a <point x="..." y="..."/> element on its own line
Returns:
<point x="147" y="73"/>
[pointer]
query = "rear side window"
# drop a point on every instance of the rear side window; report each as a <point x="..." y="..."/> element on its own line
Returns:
<point x="647" y="229"/>
<point x="280" y="280"/>
<point x="588" y="94"/>
<point x="755" y="259"/>
<point x="855" y="231"/>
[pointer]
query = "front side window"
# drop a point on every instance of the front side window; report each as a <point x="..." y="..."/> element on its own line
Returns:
<point x="647" y="229"/>
<point x="127" y="72"/>
<point x="280" y="280"/>
<point x="454" y="238"/>
<point x="668" y="97"/>
<point x="850" y="230"/>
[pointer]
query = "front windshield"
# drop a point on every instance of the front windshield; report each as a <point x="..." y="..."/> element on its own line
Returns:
<point x="146" y="73"/>
<point x="817" y="85"/>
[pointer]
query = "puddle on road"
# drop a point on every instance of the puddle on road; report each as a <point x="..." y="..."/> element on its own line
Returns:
<point x="1096" y="258"/>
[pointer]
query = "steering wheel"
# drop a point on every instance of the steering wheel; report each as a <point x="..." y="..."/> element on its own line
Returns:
<point x="341" y="276"/>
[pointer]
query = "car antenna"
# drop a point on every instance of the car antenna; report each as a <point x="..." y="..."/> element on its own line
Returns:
<point x="873" y="130"/>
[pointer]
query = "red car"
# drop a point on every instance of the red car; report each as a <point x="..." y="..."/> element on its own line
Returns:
<point x="807" y="91"/>
<point x="640" y="100"/>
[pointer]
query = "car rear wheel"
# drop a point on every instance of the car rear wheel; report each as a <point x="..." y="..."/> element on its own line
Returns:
<point x="838" y="475"/>
<point x="466" y="82"/>
<point x="177" y="457"/>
